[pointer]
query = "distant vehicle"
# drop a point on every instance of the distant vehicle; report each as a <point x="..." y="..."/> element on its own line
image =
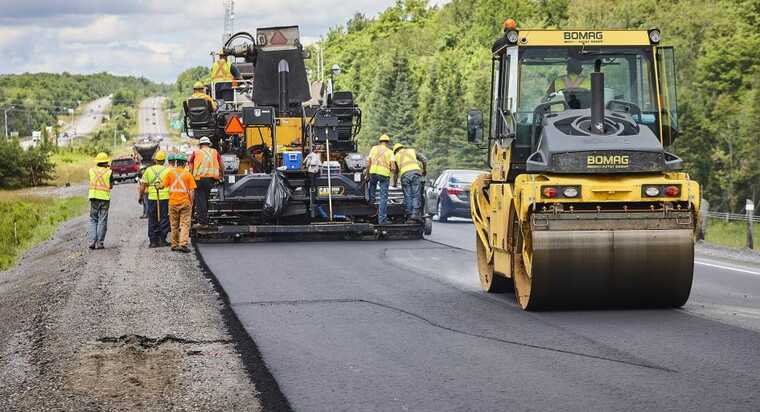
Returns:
<point x="449" y="196"/>
<point x="125" y="168"/>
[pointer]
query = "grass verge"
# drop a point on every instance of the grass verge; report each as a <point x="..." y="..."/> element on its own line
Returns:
<point x="27" y="221"/>
<point x="731" y="234"/>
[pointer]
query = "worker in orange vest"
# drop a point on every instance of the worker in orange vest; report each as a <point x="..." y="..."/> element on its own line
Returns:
<point x="205" y="165"/>
<point x="181" y="192"/>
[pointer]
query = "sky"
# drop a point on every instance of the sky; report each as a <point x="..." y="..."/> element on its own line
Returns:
<point x="153" y="38"/>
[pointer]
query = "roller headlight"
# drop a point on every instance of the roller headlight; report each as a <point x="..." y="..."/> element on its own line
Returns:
<point x="655" y="36"/>
<point x="512" y="36"/>
<point x="570" y="192"/>
<point x="652" y="191"/>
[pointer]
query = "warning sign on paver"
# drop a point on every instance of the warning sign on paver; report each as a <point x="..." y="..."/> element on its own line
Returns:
<point x="278" y="38"/>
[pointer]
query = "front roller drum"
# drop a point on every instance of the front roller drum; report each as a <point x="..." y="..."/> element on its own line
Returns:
<point x="604" y="268"/>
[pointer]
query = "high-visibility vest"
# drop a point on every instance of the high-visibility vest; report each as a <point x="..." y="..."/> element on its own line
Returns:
<point x="572" y="81"/>
<point x="381" y="157"/>
<point x="407" y="161"/>
<point x="100" y="188"/>
<point x="152" y="175"/>
<point x="178" y="185"/>
<point x="221" y="71"/>
<point x="205" y="164"/>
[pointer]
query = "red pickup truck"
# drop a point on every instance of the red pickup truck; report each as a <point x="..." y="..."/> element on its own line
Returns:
<point x="125" y="168"/>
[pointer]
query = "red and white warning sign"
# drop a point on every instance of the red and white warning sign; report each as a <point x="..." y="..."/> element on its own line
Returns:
<point x="278" y="38"/>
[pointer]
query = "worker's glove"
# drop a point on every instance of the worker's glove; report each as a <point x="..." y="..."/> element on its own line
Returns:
<point x="140" y="200"/>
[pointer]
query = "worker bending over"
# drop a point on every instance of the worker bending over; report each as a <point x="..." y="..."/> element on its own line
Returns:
<point x="205" y="165"/>
<point x="380" y="165"/>
<point x="100" y="185"/>
<point x="158" y="201"/>
<point x="181" y="187"/>
<point x="408" y="163"/>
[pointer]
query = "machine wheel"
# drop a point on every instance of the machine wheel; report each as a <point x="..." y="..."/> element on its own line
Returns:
<point x="489" y="281"/>
<point x="441" y="212"/>
<point x="521" y="273"/>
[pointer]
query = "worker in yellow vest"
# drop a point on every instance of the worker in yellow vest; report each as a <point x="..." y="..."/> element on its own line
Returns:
<point x="574" y="79"/>
<point x="411" y="167"/>
<point x="223" y="75"/>
<point x="199" y="92"/>
<point x="158" y="201"/>
<point x="205" y="165"/>
<point x="100" y="184"/>
<point x="380" y="165"/>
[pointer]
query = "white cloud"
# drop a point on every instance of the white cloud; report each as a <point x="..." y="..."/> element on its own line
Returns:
<point x="157" y="39"/>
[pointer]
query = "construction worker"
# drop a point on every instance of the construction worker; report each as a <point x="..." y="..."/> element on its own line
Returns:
<point x="181" y="187"/>
<point x="100" y="185"/>
<point x="205" y="166"/>
<point x="380" y="165"/>
<point x="574" y="79"/>
<point x="158" y="201"/>
<point x="223" y="75"/>
<point x="199" y="92"/>
<point x="313" y="162"/>
<point x="408" y="163"/>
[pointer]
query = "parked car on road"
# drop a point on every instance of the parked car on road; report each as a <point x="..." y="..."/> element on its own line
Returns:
<point x="449" y="196"/>
<point x="125" y="168"/>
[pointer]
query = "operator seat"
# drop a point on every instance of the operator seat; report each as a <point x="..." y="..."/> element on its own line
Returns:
<point x="199" y="117"/>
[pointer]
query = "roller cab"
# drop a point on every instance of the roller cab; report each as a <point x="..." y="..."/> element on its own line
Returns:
<point x="584" y="207"/>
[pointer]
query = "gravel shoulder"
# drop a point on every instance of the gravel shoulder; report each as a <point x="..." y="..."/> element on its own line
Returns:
<point x="125" y="328"/>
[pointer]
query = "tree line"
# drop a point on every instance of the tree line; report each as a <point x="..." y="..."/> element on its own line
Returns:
<point x="415" y="70"/>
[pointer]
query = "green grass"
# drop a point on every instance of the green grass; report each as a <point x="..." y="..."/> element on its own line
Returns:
<point x="732" y="234"/>
<point x="70" y="167"/>
<point x="27" y="221"/>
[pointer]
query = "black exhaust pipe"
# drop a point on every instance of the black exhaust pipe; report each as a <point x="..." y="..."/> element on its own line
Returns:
<point x="283" y="69"/>
<point x="597" y="99"/>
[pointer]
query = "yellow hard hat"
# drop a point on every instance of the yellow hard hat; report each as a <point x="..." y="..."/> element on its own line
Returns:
<point x="397" y="146"/>
<point x="102" y="158"/>
<point x="160" y="156"/>
<point x="385" y="138"/>
<point x="198" y="85"/>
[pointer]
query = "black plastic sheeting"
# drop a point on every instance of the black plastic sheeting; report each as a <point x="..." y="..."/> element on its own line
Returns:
<point x="278" y="195"/>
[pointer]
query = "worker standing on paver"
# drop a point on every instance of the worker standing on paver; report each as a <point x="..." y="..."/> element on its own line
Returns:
<point x="205" y="166"/>
<point x="313" y="162"/>
<point x="100" y="185"/>
<point x="411" y="167"/>
<point x="181" y="187"/>
<point x="158" y="201"/>
<point x="223" y="75"/>
<point x="380" y="166"/>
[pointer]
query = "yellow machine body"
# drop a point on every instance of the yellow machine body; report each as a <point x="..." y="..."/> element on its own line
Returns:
<point x="611" y="244"/>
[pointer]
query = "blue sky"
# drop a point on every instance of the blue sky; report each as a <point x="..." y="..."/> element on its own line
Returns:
<point x="157" y="39"/>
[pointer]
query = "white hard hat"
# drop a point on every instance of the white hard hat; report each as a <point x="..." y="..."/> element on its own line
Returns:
<point x="205" y="140"/>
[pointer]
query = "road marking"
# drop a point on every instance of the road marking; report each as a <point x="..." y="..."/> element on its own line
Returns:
<point x="732" y="268"/>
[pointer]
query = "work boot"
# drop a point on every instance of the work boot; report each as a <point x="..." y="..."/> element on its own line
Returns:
<point x="153" y="245"/>
<point x="183" y="249"/>
<point x="175" y="248"/>
<point x="93" y="245"/>
<point x="163" y="243"/>
<point x="144" y="217"/>
<point x="100" y="246"/>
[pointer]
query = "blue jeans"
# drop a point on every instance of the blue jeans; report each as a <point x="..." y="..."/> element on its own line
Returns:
<point x="411" y="183"/>
<point x="98" y="220"/>
<point x="158" y="230"/>
<point x="383" y="182"/>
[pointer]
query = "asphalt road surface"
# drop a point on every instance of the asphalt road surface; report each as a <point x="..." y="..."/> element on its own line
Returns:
<point x="151" y="118"/>
<point x="405" y="326"/>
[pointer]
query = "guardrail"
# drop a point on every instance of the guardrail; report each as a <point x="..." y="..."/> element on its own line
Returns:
<point x="732" y="216"/>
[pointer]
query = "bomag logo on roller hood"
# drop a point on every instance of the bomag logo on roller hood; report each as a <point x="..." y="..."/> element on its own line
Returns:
<point x="608" y="161"/>
<point x="583" y="36"/>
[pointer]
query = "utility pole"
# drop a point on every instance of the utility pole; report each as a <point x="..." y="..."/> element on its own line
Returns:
<point x="5" y="114"/>
<point x="229" y="20"/>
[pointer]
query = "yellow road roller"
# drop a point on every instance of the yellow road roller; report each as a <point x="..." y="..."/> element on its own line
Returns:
<point x="584" y="206"/>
